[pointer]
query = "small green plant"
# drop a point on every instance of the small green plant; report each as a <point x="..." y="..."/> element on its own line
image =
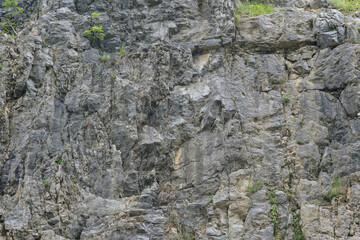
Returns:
<point x="58" y="160"/>
<point x="336" y="190"/>
<point x="189" y="236"/>
<point x="233" y="99"/>
<point x="289" y="194"/>
<point x="254" y="187"/>
<point x="7" y="24"/>
<point x="95" y="32"/>
<point x="253" y="9"/>
<point x="272" y="196"/>
<point x="346" y="5"/>
<point x="12" y="5"/>
<point x="95" y="15"/>
<point x="273" y="214"/>
<point x="157" y="49"/>
<point x="104" y="58"/>
<point x="210" y="200"/>
<point x="285" y="99"/>
<point x="46" y="184"/>
<point x="112" y="75"/>
<point x="282" y="81"/>
<point x="0" y="66"/>
<point x="298" y="233"/>
<point x="11" y="129"/>
<point x="43" y="41"/>
<point x="122" y="51"/>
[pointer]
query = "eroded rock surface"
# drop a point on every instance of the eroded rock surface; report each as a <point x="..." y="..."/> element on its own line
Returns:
<point x="199" y="130"/>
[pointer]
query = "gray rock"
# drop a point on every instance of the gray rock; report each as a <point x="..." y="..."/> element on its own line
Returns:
<point x="330" y="29"/>
<point x="182" y="135"/>
<point x="354" y="195"/>
<point x="91" y="56"/>
<point x="350" y="100"/>
<point x="264" y="33"/>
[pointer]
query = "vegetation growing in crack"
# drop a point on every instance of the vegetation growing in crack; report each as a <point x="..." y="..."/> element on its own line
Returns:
<point x="273" y="214"/>
<point x="254" y="187"/>
<point x="346" y="5"/>
<point x="95" y="14"/>
<point x="298" y="233"/>
<point x="186" y="236"/>
<point x="58" y="160"/>
<point x="7" y="24"/>
<point x="95" y="32"/>
<point x="336" y="190"/>
<point x="286" y="99"/>
<point x="104" y="58"/>
<point x="46" y="184"/>
<point x="12" y="5"/>
<point x="122" y="50"/>
<point x="210" y="200"/>
<point x="115" y="212"/>
<point x="253" y="9"/>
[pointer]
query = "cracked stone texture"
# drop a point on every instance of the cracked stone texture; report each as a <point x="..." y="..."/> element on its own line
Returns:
<point x="164" y="142"/>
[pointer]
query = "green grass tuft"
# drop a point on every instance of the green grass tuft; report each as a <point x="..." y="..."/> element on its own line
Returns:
<point x="298" y="233"/>
<point x="122" y="50"/>
<point x="46" y="184"/>
<point x="104" y="58"/>
<point x="336" y="189"/>
<point x="253" y="9"/>
<point x="58" y="160"/>
<point x="346" y="5"/>
<point x="274" y="211"/>
<point x="285" y="99"/>
<point x="254" y="187"/>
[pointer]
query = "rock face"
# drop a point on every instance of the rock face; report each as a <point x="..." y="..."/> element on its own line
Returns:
<point x="205" y="127"/>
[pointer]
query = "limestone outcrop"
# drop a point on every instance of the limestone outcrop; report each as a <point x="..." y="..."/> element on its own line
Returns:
<point x="183" y="123"/>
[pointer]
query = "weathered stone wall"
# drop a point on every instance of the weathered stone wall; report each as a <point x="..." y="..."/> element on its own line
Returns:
<point x="166" y="141"/>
